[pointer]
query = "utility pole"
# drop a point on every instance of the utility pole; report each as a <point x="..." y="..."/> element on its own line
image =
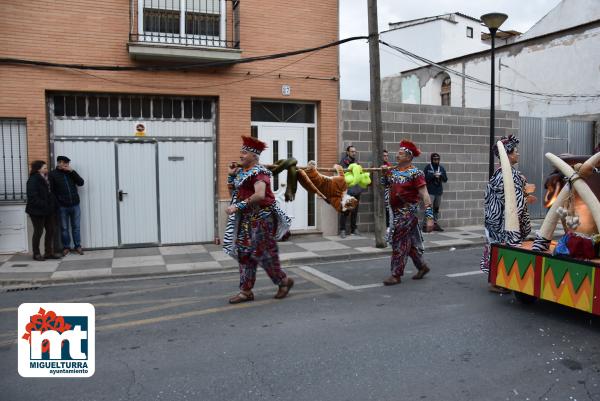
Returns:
<point x="376" y="124"/>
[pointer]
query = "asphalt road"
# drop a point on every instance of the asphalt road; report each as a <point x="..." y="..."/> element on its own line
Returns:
<point x="339" y="336"/>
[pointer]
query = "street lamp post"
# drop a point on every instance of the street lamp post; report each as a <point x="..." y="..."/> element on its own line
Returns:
<point x="493" y="22"/>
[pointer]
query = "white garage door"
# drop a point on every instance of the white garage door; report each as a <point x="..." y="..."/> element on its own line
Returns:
<point x="95" y="163"/>
<point x="157" y="189"/>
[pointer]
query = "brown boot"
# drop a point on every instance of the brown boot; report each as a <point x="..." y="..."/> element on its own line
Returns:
<point x="242" y="297"/>
<point x="421" y="273"/>
<point x="284" y="290"/>
<point x="392" y="280"/>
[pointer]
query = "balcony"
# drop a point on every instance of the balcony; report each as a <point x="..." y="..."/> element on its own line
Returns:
<point x="194" y="30"/>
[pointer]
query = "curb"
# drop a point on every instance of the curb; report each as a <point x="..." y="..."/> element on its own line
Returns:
<point x="15" y="284"/>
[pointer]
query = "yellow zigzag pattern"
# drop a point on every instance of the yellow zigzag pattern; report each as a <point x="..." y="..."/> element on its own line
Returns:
<point x="565" y="293"/>
<point x="513" y="280"/>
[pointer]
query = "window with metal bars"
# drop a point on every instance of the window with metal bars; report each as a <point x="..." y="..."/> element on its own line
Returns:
<point x="132" y="107"/>
<point x="445" y="91"/>
<point x="13" y="166"/>
<point x="163" y="17"/>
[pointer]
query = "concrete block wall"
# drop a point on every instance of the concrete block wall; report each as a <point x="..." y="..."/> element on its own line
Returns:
<point x="459" y="135"/>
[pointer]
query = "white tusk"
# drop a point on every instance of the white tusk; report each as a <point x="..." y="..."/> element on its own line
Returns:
<point x="511" y="218"/>
<point x="587" y="167"/>
<point x="582" y="188"/>
<point x="554" y="214"/>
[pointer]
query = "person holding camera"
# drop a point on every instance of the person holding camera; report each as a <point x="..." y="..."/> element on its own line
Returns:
<point x="435" y="176"/>
<point x="64" y="181"/>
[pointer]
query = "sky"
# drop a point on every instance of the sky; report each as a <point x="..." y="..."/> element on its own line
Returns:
<point x="354" y="56"/>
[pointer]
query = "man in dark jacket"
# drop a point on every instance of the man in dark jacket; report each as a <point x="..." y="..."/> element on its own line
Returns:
<point x="354" y="191"/>
<point x="435" y="176"/>
<point x="64" y="181"/>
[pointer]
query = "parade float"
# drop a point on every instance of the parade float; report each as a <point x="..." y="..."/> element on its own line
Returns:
<point x="564" y="270"/>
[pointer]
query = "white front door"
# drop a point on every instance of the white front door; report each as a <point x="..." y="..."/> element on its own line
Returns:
<point x="285" y="141"/>
<point x="136" y="193"/>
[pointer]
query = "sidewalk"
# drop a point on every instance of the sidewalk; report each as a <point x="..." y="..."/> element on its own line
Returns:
<point x="21" y="270"/>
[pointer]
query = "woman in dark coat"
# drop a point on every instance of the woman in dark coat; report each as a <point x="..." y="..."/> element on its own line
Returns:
<point x="41" y="208"/>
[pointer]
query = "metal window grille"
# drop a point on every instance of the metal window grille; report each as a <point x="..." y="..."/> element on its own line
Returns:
<point x="13" y="168"/>
<point x="445" y="92"/>
<point x="132" y="107"/>
<point x="204" y="23"/>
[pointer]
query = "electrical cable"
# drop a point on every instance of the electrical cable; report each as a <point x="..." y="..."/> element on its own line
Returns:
<point x="247" y="78"/>
<point x="178" y="67"/>
<point x="482" y="82"/>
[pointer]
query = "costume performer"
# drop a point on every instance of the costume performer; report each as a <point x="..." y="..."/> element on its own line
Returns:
<point x="255" y="223"/>
<point x="495" y="231"/>
<point x="406" y="185"/>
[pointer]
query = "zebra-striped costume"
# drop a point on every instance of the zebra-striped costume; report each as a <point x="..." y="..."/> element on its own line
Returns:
<point x="494" y="214"/>
<point x="282" y="221"/>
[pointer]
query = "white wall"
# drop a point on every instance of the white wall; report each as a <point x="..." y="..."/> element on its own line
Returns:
<point x="567" y="14"/>
<point x="436" y="40"/>
<point x="564" y="65"/>
<point x="455" y="42"/>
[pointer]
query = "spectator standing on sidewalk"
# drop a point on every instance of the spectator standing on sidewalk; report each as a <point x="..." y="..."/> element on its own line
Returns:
<point x="355" y="191"/>
<point x="41" y="208"/>
<point x="255" y="223"/>
<point x="64" y="181"/>
<point x="435" y="175"/>
<point x="407" y="187"/>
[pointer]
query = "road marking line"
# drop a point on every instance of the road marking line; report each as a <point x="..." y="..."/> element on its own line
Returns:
<point x="316" y="280"/>
<point x="336" y="281"/>
<point x="173" y="304"/>
<point x="362" y="287"/>
<point x="296" y="295"/>
<point x="326" y="277"/>
<point x="471" y="273"/>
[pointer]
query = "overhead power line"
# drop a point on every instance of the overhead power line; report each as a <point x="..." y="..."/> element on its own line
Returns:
<point x="177" y="67"/>
<point x="247" y="76"/>
<point x="482" y="82"/>
<point x="216" y="64"/>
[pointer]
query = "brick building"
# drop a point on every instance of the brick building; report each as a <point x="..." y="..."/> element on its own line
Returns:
<point x="167" y="187"/>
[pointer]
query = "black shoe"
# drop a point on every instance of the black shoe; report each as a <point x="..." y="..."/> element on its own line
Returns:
<point x="342" y="234"/>
<point x="38" y="257"/>
<point x="437" y="227"/>
<point x="355" y="232"/>
<point x="51" y="256"/>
